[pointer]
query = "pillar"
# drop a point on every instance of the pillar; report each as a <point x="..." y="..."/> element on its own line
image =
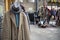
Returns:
<point x="7" y="4"/>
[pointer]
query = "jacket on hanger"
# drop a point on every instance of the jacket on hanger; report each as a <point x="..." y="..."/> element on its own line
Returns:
<point x="9" y="31"/>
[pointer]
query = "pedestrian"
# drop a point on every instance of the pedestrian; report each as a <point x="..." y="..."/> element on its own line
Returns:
<point x="58" y="17"/>
<point x="53" y="12"/>
<point x="48" y="15"/>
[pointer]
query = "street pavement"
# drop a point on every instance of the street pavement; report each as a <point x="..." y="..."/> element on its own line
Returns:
<point x="44" y="33"/>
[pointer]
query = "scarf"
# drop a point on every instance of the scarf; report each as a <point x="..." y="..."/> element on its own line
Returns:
<point x="16" y="16"/>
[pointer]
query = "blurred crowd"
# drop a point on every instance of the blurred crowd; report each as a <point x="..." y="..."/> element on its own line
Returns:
<point x="49" y="15"/>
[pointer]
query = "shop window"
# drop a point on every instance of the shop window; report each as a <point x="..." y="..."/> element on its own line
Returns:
<point x="31" y="1"/>
<point x="21" y="0"/>
<point x="30" y="10"/>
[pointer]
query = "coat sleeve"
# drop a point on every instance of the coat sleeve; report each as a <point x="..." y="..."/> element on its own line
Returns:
<point x="5" y="28"/>
<point x="26" y="27"/>
<point x="20" y="30"/>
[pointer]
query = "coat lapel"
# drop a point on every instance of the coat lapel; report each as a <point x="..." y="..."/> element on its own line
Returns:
<point x="12" y="16"/>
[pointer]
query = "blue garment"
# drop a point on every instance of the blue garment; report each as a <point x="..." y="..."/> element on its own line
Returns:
<point x="17" y="19"/>
<point x="53" y="12"/>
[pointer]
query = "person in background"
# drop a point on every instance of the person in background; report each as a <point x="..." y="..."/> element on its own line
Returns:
<point x="53" y="12"/>
<point x="58" y="17"/>
<point x="48" y="15"/>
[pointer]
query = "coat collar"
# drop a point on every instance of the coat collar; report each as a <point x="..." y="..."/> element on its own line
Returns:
<point x="12" y="16"/>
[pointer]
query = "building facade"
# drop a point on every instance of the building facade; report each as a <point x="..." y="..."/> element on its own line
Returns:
<point x="29" y="5"/>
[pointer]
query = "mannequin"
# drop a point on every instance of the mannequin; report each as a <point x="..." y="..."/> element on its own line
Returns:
<point x="16" y="9"/>
<point x="15" y="24"/>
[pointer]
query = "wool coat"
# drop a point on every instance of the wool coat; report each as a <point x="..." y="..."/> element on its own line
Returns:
<point x="10" y="31"/>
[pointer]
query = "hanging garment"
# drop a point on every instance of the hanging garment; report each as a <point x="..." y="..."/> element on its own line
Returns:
<point x="17" y="19"/>
<point x="9" y="31"/>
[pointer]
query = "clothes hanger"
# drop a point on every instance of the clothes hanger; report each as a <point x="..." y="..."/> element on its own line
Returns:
<point x="16" y="6"/>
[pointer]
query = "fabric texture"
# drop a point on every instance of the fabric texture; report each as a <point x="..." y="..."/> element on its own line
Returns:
<point x="9" y="31"/>
<point x="16" y="16"/>
<point x="17" y="19"/>
<point x="53" y="12"/>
